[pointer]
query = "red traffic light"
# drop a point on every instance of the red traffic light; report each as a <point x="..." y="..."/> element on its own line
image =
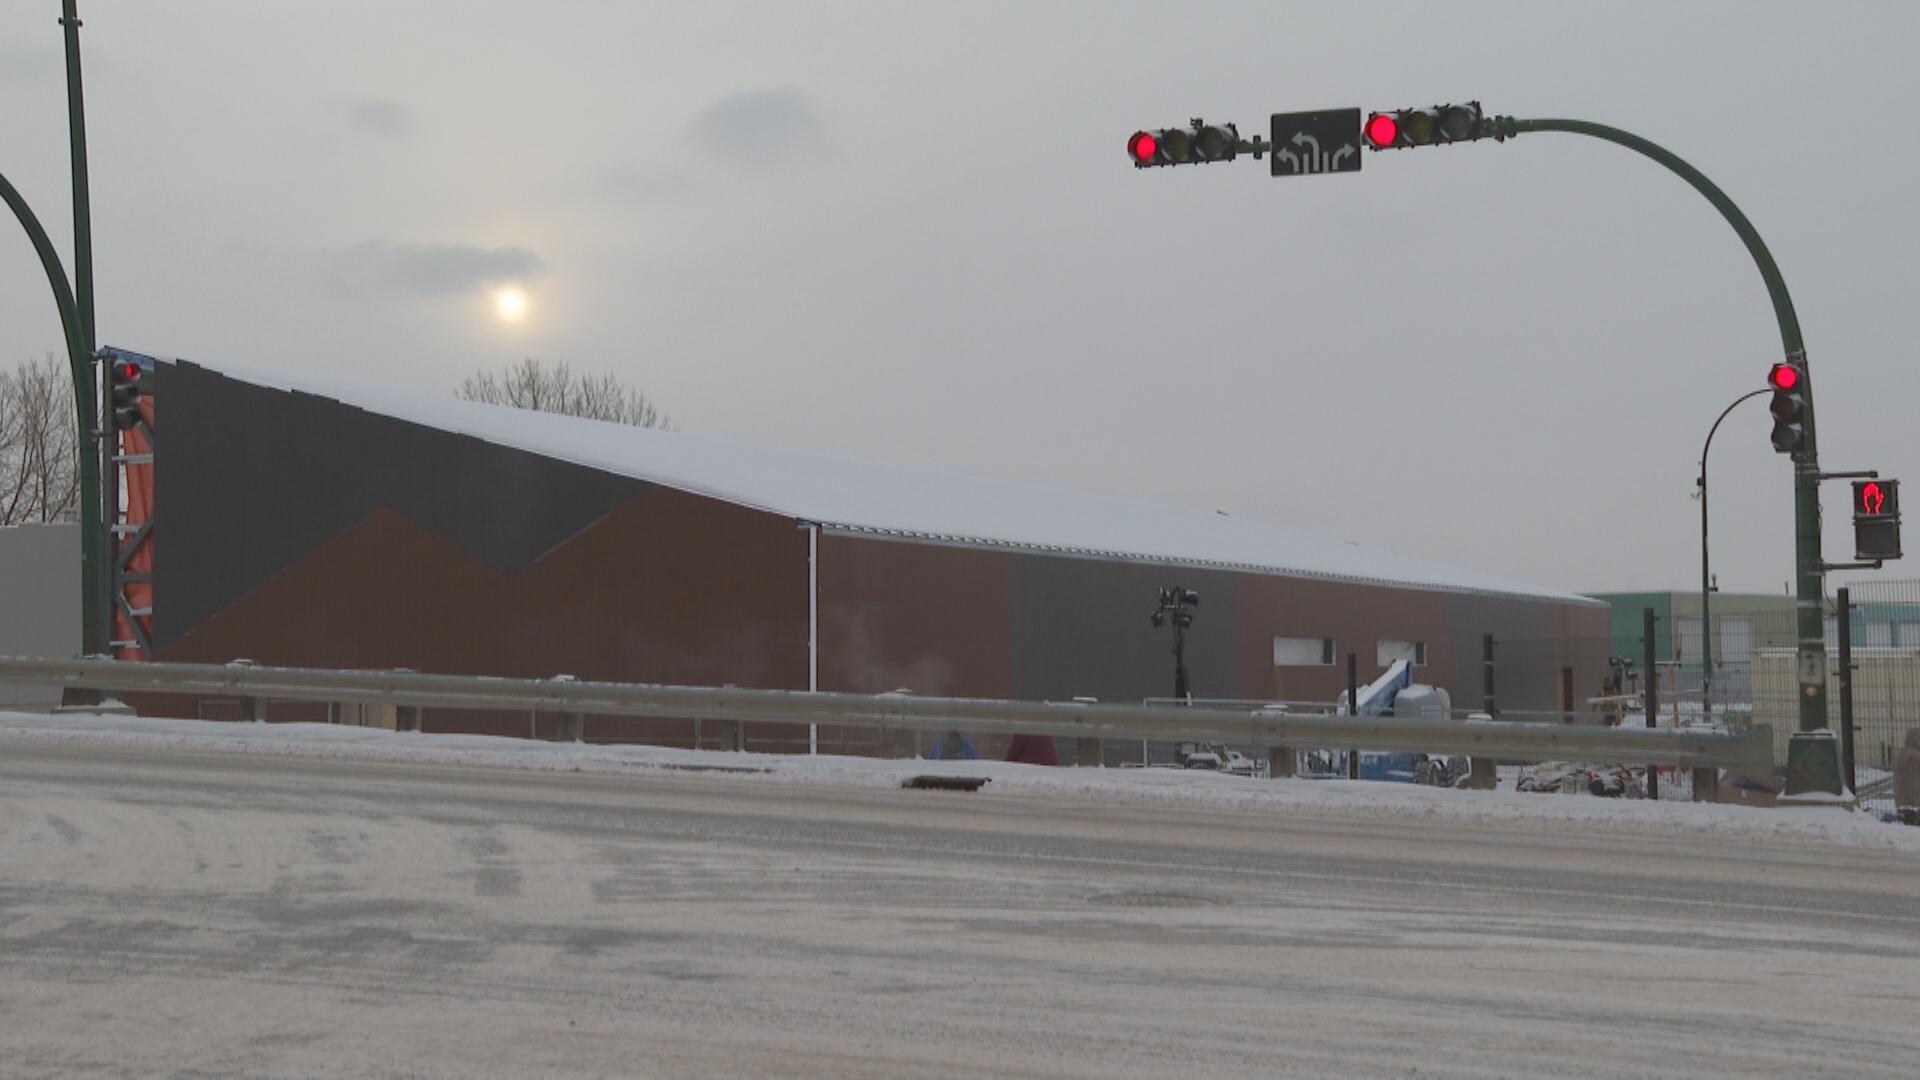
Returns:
<point x="1382" y="130"/>
<point x="126" y="371"/>
<point x="1142" y="147"/>
<point x="1783" y="377"/>
<point x="1873" y="498"/>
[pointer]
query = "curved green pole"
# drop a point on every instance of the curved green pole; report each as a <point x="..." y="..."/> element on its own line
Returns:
<point x="1706" y="573"/>
<point x="1810" y="583"/>
<point x="80" y="356"/>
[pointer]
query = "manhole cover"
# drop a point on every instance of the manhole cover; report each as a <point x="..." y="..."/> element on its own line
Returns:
<point x="945" y="783"/>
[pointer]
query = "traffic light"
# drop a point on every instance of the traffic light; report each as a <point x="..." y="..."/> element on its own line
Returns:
<point x="1198" y="145"/>
<point x="1876" y="519"/>
<point x="1424" y="127"/>
<point x="1789" y="381"/>
<point x="124" y="393"/>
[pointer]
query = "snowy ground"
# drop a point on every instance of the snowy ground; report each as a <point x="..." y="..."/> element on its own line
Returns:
<point x="228" y="902"/>
<point x="1197" y="788"/>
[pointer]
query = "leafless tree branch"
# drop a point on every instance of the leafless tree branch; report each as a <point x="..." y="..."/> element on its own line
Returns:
<point x="531" y="384"/>
<point x="39" y="444"/>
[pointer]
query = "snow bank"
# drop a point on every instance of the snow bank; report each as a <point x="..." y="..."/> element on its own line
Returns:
<point x="1204" y="789"/>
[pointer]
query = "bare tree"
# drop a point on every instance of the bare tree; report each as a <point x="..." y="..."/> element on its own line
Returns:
<point x="39" y="444"/>
<point x="530" y="384"/>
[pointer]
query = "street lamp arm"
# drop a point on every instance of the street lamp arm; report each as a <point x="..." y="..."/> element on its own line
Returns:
<point x="56" y="277"/>
<point x="1716" y="427"/>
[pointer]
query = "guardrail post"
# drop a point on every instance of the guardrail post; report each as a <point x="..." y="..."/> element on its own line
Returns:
<point x="1706" y="784"/>
<point x="406" y="718"/>
<point x="1482" y="773"/>
<point x="739" y="736"/>
<point x="571" y="728"/>
<point x="1353" y="709"/>
<point x="253" y="710"/>
<point x="1281" y="761"/>
<point x="1090" y="753"/>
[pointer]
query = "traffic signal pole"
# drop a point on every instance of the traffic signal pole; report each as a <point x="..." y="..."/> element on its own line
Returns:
<point x="1330" y="141"/>
<point x="1806" y="771"/>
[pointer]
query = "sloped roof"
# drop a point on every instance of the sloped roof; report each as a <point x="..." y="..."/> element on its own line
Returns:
<point x="863" y="497"/>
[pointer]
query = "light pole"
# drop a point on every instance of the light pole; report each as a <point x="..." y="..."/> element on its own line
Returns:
<point x="1176" y="606"/>
<point x="75" y="303"/>
<point x="1706" y="579"/>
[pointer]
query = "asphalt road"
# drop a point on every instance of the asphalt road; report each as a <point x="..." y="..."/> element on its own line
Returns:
<point x="210" y="915"/>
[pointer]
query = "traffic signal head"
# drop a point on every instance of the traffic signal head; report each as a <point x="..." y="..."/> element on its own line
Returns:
<point x="1197" y="145"/>
<point x="1876" y="519"/>
<point x="124" y="393"/>
<point x="1789" y="381"/>
<point x="1424" y="127"/>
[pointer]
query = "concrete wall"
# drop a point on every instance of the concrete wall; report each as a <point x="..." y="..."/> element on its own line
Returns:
<point x="39" y="603"/>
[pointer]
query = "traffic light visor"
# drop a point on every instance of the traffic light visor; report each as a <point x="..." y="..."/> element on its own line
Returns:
<point x="1382" y="129"/>
<point x="1783" y="377"/>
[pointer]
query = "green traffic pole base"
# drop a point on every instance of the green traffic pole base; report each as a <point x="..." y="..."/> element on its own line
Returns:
<point x="1814" y="777"/>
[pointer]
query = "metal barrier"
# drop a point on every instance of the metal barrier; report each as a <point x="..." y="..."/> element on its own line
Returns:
<point x="1265" y="727"/>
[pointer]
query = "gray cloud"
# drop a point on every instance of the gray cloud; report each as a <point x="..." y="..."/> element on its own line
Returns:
<point x="429" y="269"/>
<point x="762" y="129"/>
<point x="379" y="116"/>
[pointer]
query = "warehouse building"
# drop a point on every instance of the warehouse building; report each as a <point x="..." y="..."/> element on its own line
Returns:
<point x="355" y="528"/>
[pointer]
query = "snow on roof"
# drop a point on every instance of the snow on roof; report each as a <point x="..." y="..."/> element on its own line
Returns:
<point x="841" y="494"/>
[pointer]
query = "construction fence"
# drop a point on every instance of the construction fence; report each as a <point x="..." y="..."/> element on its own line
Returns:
<point x="1754" y="677"/>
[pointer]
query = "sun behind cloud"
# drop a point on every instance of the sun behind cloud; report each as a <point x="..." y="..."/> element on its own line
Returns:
<point x="510" y="303"/>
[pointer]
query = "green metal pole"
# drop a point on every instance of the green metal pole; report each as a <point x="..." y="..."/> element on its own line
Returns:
<point x="80" y="357"/>
<point x="1809" y="578"/>
<point x="95" y="454"/>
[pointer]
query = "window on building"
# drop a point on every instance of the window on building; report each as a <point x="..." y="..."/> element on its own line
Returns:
<point x="1387" y="650"/>
<point x="1302" y="651"/>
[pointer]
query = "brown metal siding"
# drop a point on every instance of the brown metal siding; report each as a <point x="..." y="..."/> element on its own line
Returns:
<point x="669" y="587"/>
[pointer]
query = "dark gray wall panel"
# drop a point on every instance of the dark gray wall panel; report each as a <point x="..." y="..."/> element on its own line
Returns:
<point x="1082" y="627"/>
<point x="248" y="480"/>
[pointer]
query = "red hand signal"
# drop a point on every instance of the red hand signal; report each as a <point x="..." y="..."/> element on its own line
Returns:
<point x="1873" y="499"/>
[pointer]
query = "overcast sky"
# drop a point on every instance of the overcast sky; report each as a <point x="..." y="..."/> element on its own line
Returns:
<point x="908" y="232"/>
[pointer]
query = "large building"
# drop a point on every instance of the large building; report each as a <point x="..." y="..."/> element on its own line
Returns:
<point x="348" y="527"/>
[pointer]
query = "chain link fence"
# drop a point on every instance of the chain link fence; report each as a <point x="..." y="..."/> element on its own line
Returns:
<point x="1754" y="677"/>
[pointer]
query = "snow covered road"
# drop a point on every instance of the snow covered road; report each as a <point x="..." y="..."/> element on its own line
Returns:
<point x="166" y="908"/>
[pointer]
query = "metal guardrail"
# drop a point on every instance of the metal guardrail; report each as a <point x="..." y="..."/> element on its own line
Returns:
<point x="1265" y="727"/>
